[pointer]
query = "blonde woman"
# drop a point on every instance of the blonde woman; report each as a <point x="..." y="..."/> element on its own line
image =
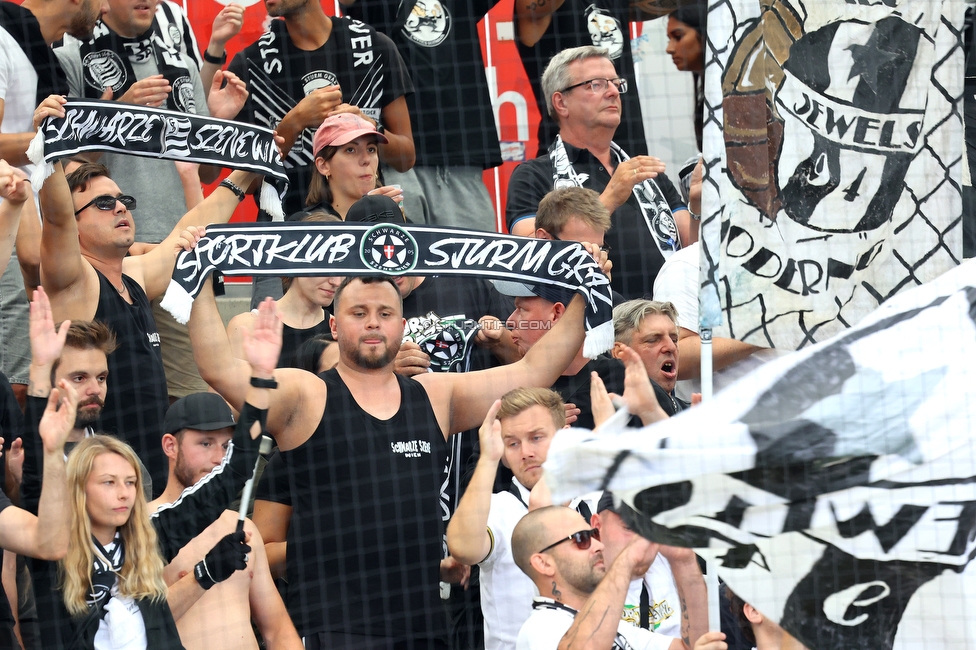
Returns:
<point x="108" y="592"/>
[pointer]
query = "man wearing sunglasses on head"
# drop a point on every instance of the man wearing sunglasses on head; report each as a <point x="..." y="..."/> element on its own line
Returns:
<point x="581" y="597"/>
<point x="86" y="270"/>
<point x="583" y="94"/>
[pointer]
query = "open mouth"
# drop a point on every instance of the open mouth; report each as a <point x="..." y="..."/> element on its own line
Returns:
<point x="124" y="223"/>
<point x="668" y="368"/>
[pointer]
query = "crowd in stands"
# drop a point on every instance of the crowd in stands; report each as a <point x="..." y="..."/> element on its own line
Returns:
<point x="404" y="505"/>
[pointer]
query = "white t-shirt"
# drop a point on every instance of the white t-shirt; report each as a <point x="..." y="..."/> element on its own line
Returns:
<point x="506" y="592"/>
<point x="550" y="621"/>
<point x="664" y="604"/>
<point x="18" y="87"/>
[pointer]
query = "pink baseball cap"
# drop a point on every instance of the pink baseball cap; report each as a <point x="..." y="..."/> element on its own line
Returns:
<point x="343" y="128"/>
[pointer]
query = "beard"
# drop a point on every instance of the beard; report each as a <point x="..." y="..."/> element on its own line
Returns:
<point x="287" y="8"/>
<point x="83" y="22"/>
<point x="183" y="473"/>
<point x="584" y="578"/>
<point x="88" y="417"/>
<point x="374" y="362"/>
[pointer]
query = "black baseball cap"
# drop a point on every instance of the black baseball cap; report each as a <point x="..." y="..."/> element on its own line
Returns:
<point x="375" y="208"/>
<point x="605" y="502"/>
<point x="200" y="411"/>
<point x="548" y="292"/>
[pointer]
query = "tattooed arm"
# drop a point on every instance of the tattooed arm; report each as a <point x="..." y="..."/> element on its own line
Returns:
<point x="691" y="592"/>
<point x="595" y="626"/>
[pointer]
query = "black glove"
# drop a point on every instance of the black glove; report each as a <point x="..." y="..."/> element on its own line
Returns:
<point x="226" y="557"/>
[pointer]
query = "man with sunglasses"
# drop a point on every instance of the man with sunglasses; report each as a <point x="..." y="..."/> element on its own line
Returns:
<point x="88" y="274"/>
<point x="581" y="596"/>
<point x="583" y="94"/>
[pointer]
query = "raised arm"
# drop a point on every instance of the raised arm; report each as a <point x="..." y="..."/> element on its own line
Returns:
<point x="691" y="592"/>
<point x="46" y="535"/>
<point x="467" y="532"/>
<point x="14" y="190"/>
<point x="595" y="626"/>
<point x="46" y="345"/>
<point x="154" y="269"/>
<point x="230" y="377"/>
<point x="725" y="352"/>
<point x="472" y="393"/>
<point x="64" y="272"/>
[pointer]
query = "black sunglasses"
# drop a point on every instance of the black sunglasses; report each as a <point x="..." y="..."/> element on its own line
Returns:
<point x="581" y="539"/>
<point x="107" y="202"/>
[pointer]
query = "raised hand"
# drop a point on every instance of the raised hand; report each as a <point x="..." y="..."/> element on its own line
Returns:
<point x="262" y="345"/>
<point x="52" y="106"/>
<point x="59" y="417"/>
<point x="490" y="434"/>
<point x="638" y="392"/>
<point x="14" y="186"/>
<point x="226" y="100"/>
<point x="46" y="342"/>
<point x="189" y="237"/>
<point x="600" y="403"/>
<point x="226" y="25"/>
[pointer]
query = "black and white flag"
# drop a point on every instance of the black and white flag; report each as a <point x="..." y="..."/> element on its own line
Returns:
<point x="833" y="154"/>
<point x="835" y="487"/>
<point x="96" y="125"/>
<point x="320" y="249"/>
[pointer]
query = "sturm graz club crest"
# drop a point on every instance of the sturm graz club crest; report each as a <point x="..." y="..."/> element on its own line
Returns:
<point x="104" y="69"/>
<point x="389" y="248"/>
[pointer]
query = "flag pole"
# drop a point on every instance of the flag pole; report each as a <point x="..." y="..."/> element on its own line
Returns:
<point x="706" y="363"/>
<point x="711" y="574"/>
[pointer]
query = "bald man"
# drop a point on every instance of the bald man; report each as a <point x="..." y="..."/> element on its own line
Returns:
<point x="581" y="597"/>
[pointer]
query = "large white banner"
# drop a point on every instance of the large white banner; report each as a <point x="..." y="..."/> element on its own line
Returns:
<point x="833" y="148"/>
<point x="835" y="486"/>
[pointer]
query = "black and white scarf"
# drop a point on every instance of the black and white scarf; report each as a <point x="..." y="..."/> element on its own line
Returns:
<point x="96" y="125"/>
<point x="23" y="27"/>
<point x="106" y="567"/>
<point x="651" y="201"/>
<point x="107" y="62"/>
<point x="351" y="249"/>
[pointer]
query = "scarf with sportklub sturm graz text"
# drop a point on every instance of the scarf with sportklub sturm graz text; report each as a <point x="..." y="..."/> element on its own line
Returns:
<point x="361" y="249"/>
<point x="96" y="125"/>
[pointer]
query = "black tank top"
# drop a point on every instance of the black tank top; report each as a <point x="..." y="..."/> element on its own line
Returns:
<point x="137" y="397"/>
<point x="365" y="540"/>
<point x="292" y="339"/>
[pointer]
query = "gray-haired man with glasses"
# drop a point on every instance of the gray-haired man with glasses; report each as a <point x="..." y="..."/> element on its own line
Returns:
<point x="583" y="95"/>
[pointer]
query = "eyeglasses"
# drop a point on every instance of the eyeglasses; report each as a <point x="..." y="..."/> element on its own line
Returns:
<point x="605" y="247"/>
<point x="107" y="202"/>
<point x="600" y="85"/>
<point x="581" y="539"/>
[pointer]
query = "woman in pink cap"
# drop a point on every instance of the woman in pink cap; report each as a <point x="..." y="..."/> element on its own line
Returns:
<point x="346" y="158"/>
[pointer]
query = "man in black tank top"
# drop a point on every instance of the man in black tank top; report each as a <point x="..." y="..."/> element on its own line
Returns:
<point x="88" y="229"/>
<point x="365" y="452"/>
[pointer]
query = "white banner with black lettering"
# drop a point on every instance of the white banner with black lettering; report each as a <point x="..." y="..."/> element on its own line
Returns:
<point x="835" y="486"/>
<point x="833" y="151"/>
<point x="96" y="125"/>
<point x="322" y="249"/>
